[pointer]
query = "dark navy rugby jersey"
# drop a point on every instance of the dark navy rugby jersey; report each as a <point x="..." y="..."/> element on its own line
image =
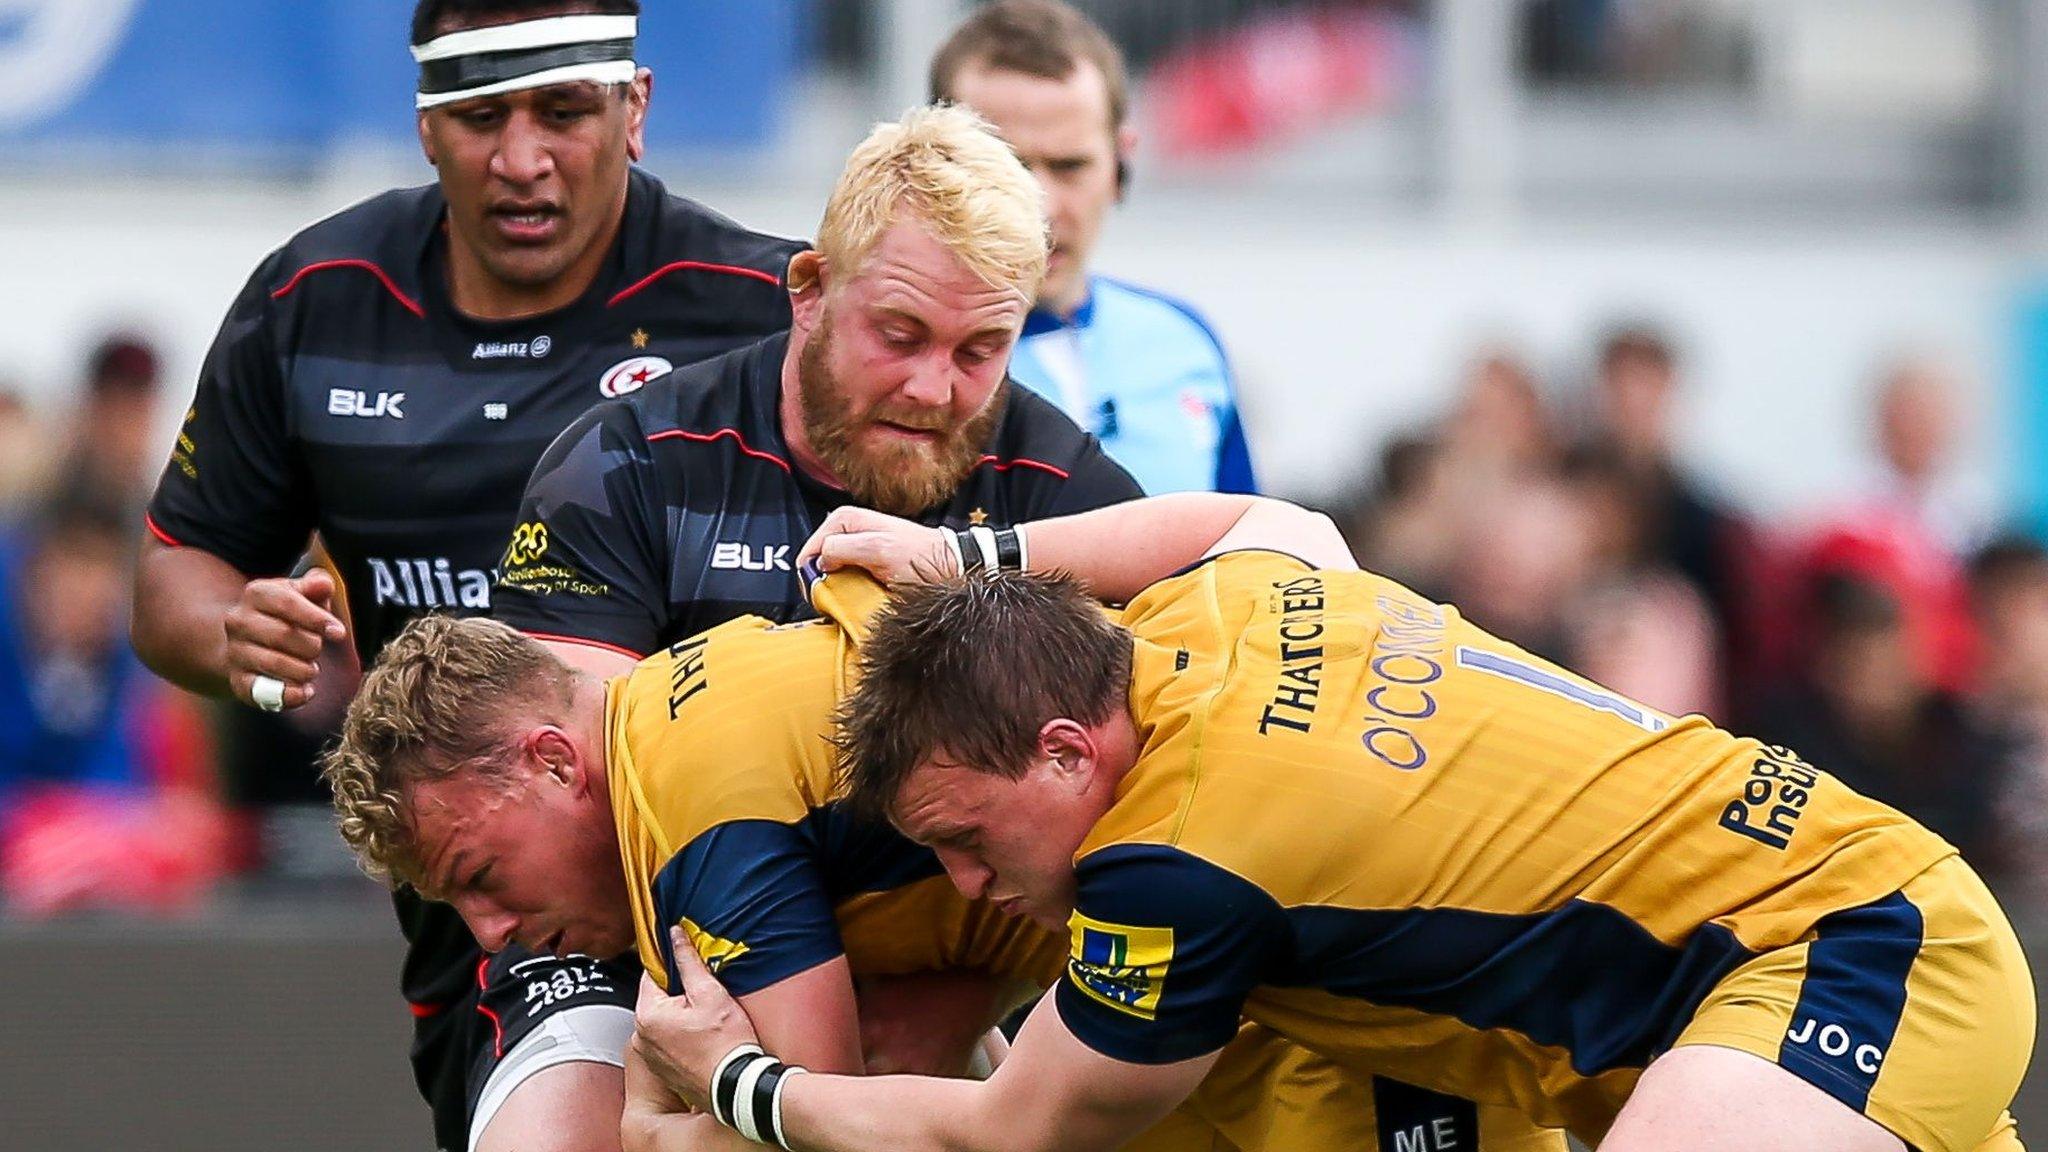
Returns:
<point x="345" y="393"/>
<point x="670" y="511"/>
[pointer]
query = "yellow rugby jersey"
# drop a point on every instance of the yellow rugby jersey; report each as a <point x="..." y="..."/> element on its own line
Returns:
<point x="721" y="781"/>
<point x="1364" y="822"/>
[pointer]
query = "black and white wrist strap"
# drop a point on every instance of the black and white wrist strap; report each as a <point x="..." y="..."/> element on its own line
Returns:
<point x="983" y="549"/>
<point x="746" y="1093"/>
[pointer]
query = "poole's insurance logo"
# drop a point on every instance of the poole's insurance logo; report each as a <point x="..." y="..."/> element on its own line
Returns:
<point x="50" y="51"/>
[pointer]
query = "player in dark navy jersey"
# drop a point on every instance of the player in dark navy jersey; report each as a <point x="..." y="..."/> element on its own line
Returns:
<point x="667" y="512"/>
<point x="388" y="378"/>
<point x="680" y="507"/>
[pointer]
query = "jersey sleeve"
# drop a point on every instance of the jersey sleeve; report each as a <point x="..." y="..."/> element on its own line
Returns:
<point x="749" y="895"/>
<point x="1094" y="481"/>
<point x="1164" y="947"/>
<point x="1234" y="457"/>
<point x="234" y="486"/>
<point x="849" y="598"/>
<point x="587" y="559"/>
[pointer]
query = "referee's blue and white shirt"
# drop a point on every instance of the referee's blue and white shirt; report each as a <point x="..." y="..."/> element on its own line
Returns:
<point x="1144" y="373"/>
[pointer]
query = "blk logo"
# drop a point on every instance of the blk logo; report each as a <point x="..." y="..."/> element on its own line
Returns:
<point x="732" y="554"/>
<point x="344" y="402"/>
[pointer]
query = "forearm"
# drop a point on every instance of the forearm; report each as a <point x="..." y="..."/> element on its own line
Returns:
<point x="647" y="1130"/>
<point x="904" y="1114"/>
<point x="182" y="597"/>
<point x="1120" y="550"/>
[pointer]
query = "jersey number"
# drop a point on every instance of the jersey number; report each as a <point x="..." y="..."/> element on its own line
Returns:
<point x="1545" y="680"/>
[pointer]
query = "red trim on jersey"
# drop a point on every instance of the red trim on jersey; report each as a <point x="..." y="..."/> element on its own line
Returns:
<point x="692" y="265"/>
<point x="708" y="437"/>
<point x="383" y="278"/>
<point x="549" y="636"/>
<point x="497" y="1025"/>
<point x="1022" y="462"/>
<point x="149" y="522"/>
<point x="422" y="1011"/>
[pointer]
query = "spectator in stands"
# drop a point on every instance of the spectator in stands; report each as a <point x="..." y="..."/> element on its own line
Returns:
<point x="24" y="454"/>
<point x="1500" y="430"/>
<point x="1918" y="418"/>
<point x="1680" y="525"/>
<point x="1399" y="523"/>
<point x="1520" y="559"/>
<point x="88" y="741"/>
<point x="1648" y="635"/>
<point x="113" y="455"/>
<point x="1139" y="369"/>
<point x="2009" y="591"/>
<point x="1866" y="708"/>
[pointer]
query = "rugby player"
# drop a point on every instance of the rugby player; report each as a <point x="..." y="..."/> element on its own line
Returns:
<point x="388" y="377"/>
<point x="677" y="508"/>
<point x="1140" y="369"/>
<point x="683" y="505"/>
<point x="1311" y="797"/>
<point x="558" y="811"/>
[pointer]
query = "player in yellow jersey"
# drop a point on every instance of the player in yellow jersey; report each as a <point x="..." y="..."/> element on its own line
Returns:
<point x="1313" y="798"/>
<point x="567" y="814"/>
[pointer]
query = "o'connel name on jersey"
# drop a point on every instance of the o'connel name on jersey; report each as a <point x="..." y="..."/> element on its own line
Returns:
<point x="429" y="583"/>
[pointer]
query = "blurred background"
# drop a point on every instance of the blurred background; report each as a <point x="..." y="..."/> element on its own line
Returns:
<point x="1702" y="344"/>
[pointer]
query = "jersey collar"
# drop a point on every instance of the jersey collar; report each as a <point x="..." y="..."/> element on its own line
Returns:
<point x="1041" y="320"/>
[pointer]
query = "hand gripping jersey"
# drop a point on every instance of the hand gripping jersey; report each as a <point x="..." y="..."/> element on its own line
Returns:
<point x="680" y="507"/>
<point x="1415" y="848"/>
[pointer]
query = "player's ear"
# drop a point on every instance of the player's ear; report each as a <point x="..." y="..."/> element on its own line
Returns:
<point x="1126" y="147"/>
<point x="427" y="139"/>
<point x="806" y="282"/>
<point x="556" y="756"/>
<point x="638" y="96"/>
<point x="1068" y="750"/>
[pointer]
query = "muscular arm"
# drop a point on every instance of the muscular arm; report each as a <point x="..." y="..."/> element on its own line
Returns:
<point x="1122" y="549"/>
<point x="1118" y="551"/>
<point x="1052" y="1093"/>
<point x="810" y="1015"/>
<point x="201" y="624"/>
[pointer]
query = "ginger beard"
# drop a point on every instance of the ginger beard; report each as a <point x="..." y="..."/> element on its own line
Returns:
<point x="900" y="477"/>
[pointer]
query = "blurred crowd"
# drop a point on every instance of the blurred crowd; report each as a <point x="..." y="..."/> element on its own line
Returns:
<point x="1897" y="639"/>
<point x="108" y="793"/>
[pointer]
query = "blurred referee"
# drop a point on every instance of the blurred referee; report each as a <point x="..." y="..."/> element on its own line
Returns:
<point x="387" y="378"/>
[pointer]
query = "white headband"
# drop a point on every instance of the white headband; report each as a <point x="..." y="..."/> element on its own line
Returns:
<point x="530" y="54"/>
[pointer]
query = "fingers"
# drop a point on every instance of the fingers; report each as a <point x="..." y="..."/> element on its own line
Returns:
<point x="869" y="551"/>
<point x="276" y="614"/>
<point x="699" y="985"/>
<point x="650" y="993"/>
<point x="840" y="522"/>
<point x="318" y="588"/>
<point x="274" y="630"/>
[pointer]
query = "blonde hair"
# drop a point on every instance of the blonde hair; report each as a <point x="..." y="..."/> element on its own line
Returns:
<point x="944" y="168"/>
<point x="437" y="703"/>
